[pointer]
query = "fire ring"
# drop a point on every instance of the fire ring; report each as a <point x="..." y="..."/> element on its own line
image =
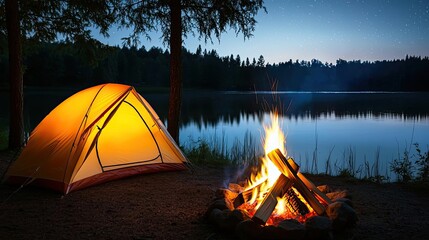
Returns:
<point x="290" y="208"/>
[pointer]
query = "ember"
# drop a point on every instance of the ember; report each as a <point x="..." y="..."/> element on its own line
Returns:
<point x="280" y="198"/>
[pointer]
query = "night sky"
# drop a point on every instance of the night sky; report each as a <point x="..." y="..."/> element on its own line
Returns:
<point x="325" y="30"/>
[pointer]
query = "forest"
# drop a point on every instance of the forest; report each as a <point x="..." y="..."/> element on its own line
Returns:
<point x="67" y="65"/>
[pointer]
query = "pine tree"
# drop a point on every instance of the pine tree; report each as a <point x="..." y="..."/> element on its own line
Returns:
<point x="178" y="18"/>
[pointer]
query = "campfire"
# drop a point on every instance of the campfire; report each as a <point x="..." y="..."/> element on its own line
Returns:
<point x="278" y="201"/>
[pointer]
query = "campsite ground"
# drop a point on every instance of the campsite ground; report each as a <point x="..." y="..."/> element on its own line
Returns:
<point x="171" y="205"/>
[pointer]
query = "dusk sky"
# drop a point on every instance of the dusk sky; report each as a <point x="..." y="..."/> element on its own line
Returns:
<point x="325" y="30"/>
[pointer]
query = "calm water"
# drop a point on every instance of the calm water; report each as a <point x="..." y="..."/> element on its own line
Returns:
<point x="324" y="125"/>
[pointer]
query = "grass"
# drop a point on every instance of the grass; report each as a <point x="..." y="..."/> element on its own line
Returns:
<point x="348" y="168"/>
<point x="215" y="151"/>
<point x="203" y="154"/>
<point x="328" y="167"/>
<point x="372" y="173"/>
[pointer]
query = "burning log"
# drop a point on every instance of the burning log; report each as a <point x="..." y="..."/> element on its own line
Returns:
<point x="285" y="168"/>
<point x="295" y="204"/>
<point x="270" y="200"/>
<point x="243" y="195"/>
<point x="322" y="197"/>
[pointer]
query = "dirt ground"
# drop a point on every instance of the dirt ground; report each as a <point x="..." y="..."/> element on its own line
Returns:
<point x="171" y="205"/>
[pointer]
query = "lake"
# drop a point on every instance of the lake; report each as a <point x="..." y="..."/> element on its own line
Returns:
<point x="364" y="126"/>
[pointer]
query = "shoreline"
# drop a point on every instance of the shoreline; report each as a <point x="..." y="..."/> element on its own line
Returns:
<point x="171" y="205"/>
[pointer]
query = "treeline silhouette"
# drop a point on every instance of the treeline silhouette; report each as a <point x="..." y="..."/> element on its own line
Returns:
<point x="60" y="64"/>
<point x="218" y="107"/>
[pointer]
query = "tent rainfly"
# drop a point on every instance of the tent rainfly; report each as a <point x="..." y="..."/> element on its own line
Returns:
<point x="97" y="135"/>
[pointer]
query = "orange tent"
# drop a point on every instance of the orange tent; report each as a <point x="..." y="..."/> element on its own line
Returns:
<point x="99" y="134"/>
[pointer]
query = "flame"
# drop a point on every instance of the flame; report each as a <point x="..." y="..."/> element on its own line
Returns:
<point x="264" y="179"/>
<point x="274" y="137"/>
<point x="261" y="181"/>
<point x="268" y="174"/>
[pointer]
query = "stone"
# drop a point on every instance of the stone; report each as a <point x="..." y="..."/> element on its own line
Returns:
<point x="291" y="225"/>
<point x="214" y="215"/>
<point x="345" y="200"/>
<point x="339" y="194"/>
<point x="318" y="227"/>
<point x="273" y="232"/>
<point x="227" y="220"/>
<point x="342" y="216"/>
<point x="238" y="215"/>
<point x="247" y="230"/>
<point x="222" y="203"/>
<point x="324" y="188"/>
<point x="294" y="229"/>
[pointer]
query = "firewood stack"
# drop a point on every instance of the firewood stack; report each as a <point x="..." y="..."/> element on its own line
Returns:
<point x="331" y="215"/>
<point x="290" y="177"/>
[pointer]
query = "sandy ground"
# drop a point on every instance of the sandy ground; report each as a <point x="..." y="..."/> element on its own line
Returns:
<point x="171" y="205"/>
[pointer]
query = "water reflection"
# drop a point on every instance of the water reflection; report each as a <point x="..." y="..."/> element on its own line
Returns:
<point x="209" y="108"/>
<point x="327" y="125"/>
<point x="228" y="107"/>
<point x="328" y="138"/>
<point x="368" y="127"/>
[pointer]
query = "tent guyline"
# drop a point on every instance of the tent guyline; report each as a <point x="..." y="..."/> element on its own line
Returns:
<point x="97" y="135"/>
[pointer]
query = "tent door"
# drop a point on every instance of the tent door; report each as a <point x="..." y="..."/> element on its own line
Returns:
<point x="127" y="140"/>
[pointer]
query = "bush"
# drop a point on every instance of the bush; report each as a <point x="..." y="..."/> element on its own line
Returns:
<point x="422" y="163"/>
<point x="403" y="167"/>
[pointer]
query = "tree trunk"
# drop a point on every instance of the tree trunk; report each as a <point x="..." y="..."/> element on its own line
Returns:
<point x="16" y="119"/>
<point x="175" y="99"/>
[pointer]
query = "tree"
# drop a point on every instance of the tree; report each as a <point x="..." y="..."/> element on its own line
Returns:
<point x="261" y="61"/>
<point x="238" y="60"/>
<point x="16" y="125"/>
<point x="199" y="51"/>
<point x="177" y="19"/>
<point x="35" y="21"/>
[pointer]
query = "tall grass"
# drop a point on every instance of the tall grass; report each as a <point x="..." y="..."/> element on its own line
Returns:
<point x="215" y="150"/>
<point x="314" y="168"/>
<point x="244" y="152"/>
<point x="348" y="164"/>
<point x="328" y="167"/>
<point x="373" y="172"/>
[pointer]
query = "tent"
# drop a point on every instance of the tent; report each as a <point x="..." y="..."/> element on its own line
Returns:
<point x="99" y="134"/>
